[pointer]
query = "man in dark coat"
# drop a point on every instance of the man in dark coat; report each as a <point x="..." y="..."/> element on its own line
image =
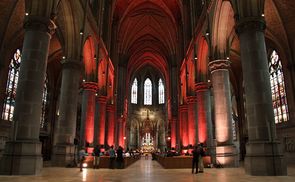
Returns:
<point x="196" y="155"/>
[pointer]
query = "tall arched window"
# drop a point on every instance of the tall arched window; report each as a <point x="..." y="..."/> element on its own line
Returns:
<point x="11" y="86"/>
<point x="147" y="92"/>
<point x="134" y="92"/>
<point x="43" y="121"/>
<point x="161" y="92"/>
<point x="279" y="98"/>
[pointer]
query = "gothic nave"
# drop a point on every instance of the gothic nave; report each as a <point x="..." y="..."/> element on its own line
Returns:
<point x="151" y="76"/>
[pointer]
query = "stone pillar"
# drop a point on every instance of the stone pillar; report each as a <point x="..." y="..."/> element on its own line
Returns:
<point x="132" y="139"/>
<point x="88" y="112"/>
<point x="183" y="127"/>
<point x="65" y="127"/>
<point x="226" y="152"/>
<point x="173" y="132"/>
<point x="205" y="127"/>
<point x="263" y="152"/>
<point x="192" y="125"/>
<point x="111" y="124"/>
<point x="22" y="155"/>
<point x="162" y="138"/>
<point x="100" y="120"/>
<point x="121" y="130"/>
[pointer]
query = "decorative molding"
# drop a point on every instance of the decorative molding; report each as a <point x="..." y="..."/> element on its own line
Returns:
<point x="192" y="99"/>
<point x="102" y="99"/>
<point x="219" y="65"/>
<point x="202" y="86"/>
<point x="111" y="108"/>
<point x="250" y="24"/>
<point x="92" y="86"/>
<point x="183" y="108"/>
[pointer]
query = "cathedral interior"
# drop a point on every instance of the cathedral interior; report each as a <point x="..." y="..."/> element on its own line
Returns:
<point x="148" y="75"/>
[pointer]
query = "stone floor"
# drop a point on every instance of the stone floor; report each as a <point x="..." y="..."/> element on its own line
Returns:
<point x="145" y="171"/>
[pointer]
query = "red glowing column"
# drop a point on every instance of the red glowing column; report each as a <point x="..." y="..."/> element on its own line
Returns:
<point x="173" y="132"/>
<point x="111" y="124"/>
<point x="183" y="125"/>
<point x="192" y="100"/>
<point x="88" y="110"/>
<point x="101" y="100"/>
<point x="204" y="113"/>
<point x="121" y="131"/>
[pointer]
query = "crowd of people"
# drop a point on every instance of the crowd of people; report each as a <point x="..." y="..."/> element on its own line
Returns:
<point x="117" y="156"/>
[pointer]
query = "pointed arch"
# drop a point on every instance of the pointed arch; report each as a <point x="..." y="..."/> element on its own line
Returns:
<point x="161" y="92"/>
<point x="278" y="89"/>
<point x="148" y="92"/>
<point x="11" y="86"/>
<point x="134" y="90"/>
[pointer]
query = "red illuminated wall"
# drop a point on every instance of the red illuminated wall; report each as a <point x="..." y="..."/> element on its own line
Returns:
<point x="88" y="56"/>
<point x="102" y="75"/>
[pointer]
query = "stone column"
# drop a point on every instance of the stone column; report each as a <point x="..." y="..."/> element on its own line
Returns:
<point x="111" y="124"/>
<point x="65" y="127"/>
<point x="226" y="152"/>
<point x="88" y="112"/>
<point x="263" y="152"/>
<point x="205" y="127"/>
<point x="22" y="155"/>
<point x="121" y="131"/>
<point x="183" y="127"/>
<point x="162" y="138"/>
<point x="173" y="132"/>
<point x="100" y="120"/>
<point x="192" y="125"/>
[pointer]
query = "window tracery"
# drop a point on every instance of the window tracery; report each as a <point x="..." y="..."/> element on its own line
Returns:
<point x="147" y="92"/>
<point x="278" y="91"/>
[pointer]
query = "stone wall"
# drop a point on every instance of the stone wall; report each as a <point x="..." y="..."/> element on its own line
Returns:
<point x="4" y="133"/>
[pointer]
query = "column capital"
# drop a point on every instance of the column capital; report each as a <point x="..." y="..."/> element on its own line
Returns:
<point x="39" y="23"/>
<point x="102" y="99"/>
<point x="92" y="86"/>
<point x="250" y="24"/>
<point x="191" y="99"/>
<point x="72" y="65"/>
<point x="221" y="64"/>
<point x="202" y="86"/>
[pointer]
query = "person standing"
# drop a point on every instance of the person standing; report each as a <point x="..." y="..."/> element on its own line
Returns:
<point x="120" y="159"/>
<point x="112" y="154"/>
<point x="196" y="155"/>
<point x="96" y="157"/>
<point x="201" y="155"/>
<point x="82" y="155"/>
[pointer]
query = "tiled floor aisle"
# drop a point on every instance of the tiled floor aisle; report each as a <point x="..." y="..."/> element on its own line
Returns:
<point x="145" y="171"/>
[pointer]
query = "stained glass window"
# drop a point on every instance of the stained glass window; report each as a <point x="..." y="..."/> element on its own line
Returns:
<point x="147" y="92"/>
<point x="134" y="92"/>
<point x="11" y="86"/>
<point x="43" y="121"/>
<point x="161" y="92"/>
<point x="279" y="98"/>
